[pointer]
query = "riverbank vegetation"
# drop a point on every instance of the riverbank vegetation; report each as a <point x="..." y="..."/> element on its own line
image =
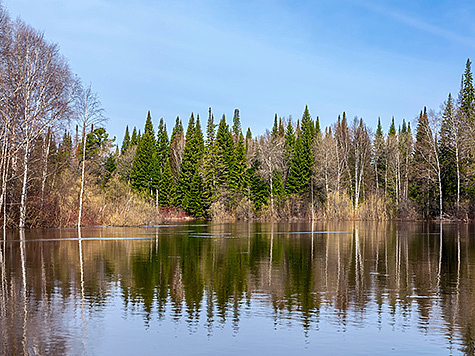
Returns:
<point x="59" y="167"/>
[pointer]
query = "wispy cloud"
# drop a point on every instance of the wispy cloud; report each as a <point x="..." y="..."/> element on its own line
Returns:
<point x="418" y="24"/>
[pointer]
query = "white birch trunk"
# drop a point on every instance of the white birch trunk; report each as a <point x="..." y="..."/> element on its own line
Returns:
<point x="22" y="222"/>
<point x="81" y="192"/>
<point x="45" y="170"/>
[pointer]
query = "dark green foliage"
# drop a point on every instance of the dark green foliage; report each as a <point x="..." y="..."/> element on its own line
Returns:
<point x="379" y="156"/>
<point x="289" y="145"/>
<point x="190" y="187"/>
<point x="300" y="172"/>
<point x="248" y="138"/>
<point x="259" y="190"/>
<point x="94" y="141"/>
<point x="275" y="128"/>
<point x="163" y="145"/>
<point x="392" y="128"/>
<point x="125" y="141"/>
<point x="144" y="174"/>
<point x="422" y="187"/>
<point x="467" y="91"/>
<point x="447" y="151"/>
<point x="134" y="139"/>
<point x="208" y="169"/>
<point x="318" y="131"/>
<point x="165" y="185"/>
<point x="236" y="125"/>
<point x="224" y="154"/>
<point x="65" y="151"/>
<point x="238" y="182"/>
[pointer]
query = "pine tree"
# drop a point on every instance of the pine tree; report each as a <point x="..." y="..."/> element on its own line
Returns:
<point x="300" y="172"/>
<point x="208" y="169"/>
<point x="238" y="181"/>
<point x="144" y="168"/>
<point x="187" y="166"/>
<point x="165" y="185"/>
<point x="289" y="146"/>
<point x="189" y="188"/>
<point x="275" y="128"/>
<point x="318" y="131"/>
<point x="467" y="92"/>
<point x="133" y="138"/>
<point x="248" y="138"/>
<point x="447" y="144"/>
<point x="163" y="145"/>
<point x="379" y="156"/>
<point x="125" y="141"/>
<point x="224" y="154"/>
<point x="422" y="184"/>
<point x="281" y="128"/>
<point x="236" y="125"/>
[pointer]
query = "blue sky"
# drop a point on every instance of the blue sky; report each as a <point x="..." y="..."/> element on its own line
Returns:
<point x="368" y="58"/>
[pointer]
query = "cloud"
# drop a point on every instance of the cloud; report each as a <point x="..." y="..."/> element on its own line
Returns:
<point x="418" y="24"/>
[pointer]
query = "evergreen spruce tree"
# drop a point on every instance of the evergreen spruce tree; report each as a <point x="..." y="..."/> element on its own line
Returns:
<point x="281" y="128"/>
<point x="301" y="165"/>
<point x="224" y="154"/>
<point x="125" y="141"/>
<point x="379" y="156"/>
<point x="289" y="146"/>
<point x="208" y="169"/>
<point x="275" y="128"/>
<point x="447" y="144"/>
<point x="187" y="167"/>
<point x="248" y="138"/>
<point x="165" y="185"/>
<point x="421" y="183"/>
<point x="258" y="188"/>
<point x="144" y="173"/>
<point x="133" y="138"/>
<point x="163" y="145"/>
<point x="318" y="131"/>
<point x="190" y="187"/>
<point x="238" y="178"/>
<point x="392" y="128"/>
<point x="467" y="92"/>
<point x="236" y="125"/>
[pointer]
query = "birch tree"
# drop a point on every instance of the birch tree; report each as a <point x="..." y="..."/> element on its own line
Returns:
<point x="88" y="112"/>
<point x="39" y="93"/>
<point x="271" y="155"/>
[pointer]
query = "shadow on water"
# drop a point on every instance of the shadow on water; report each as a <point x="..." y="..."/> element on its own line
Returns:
<point x="58" y="286"/>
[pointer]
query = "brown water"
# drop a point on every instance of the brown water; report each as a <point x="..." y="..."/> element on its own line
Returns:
<point x="204" y="289"/>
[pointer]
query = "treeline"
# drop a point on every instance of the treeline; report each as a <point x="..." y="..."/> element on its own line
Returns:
<point x="297" y="170"/>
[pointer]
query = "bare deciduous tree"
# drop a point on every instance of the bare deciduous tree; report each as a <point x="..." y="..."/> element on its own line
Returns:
<point x="271" y="155"/>
<point x="88" y="112"/>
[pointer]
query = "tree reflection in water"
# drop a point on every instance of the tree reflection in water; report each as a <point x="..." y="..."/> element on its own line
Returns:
<point x="212" y="276"/>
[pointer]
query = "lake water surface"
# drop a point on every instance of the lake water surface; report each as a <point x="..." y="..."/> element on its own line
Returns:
<point x="200" y="289"/>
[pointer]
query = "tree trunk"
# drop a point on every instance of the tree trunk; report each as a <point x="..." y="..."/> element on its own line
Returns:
<point x="81" y="193"/>
<point x="458" y="178"/>
<point x="22" y="222"/>
<point x="45" y="169"/>
<point x="271" y="198"/>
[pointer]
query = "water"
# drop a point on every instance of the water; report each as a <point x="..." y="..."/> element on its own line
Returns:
<point x="201" y="289"/>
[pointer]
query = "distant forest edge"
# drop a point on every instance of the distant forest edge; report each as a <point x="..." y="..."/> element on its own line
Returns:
<point x="52" y="175"/>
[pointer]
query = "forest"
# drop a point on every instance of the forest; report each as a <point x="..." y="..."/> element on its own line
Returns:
<point x="59" y="167"/>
